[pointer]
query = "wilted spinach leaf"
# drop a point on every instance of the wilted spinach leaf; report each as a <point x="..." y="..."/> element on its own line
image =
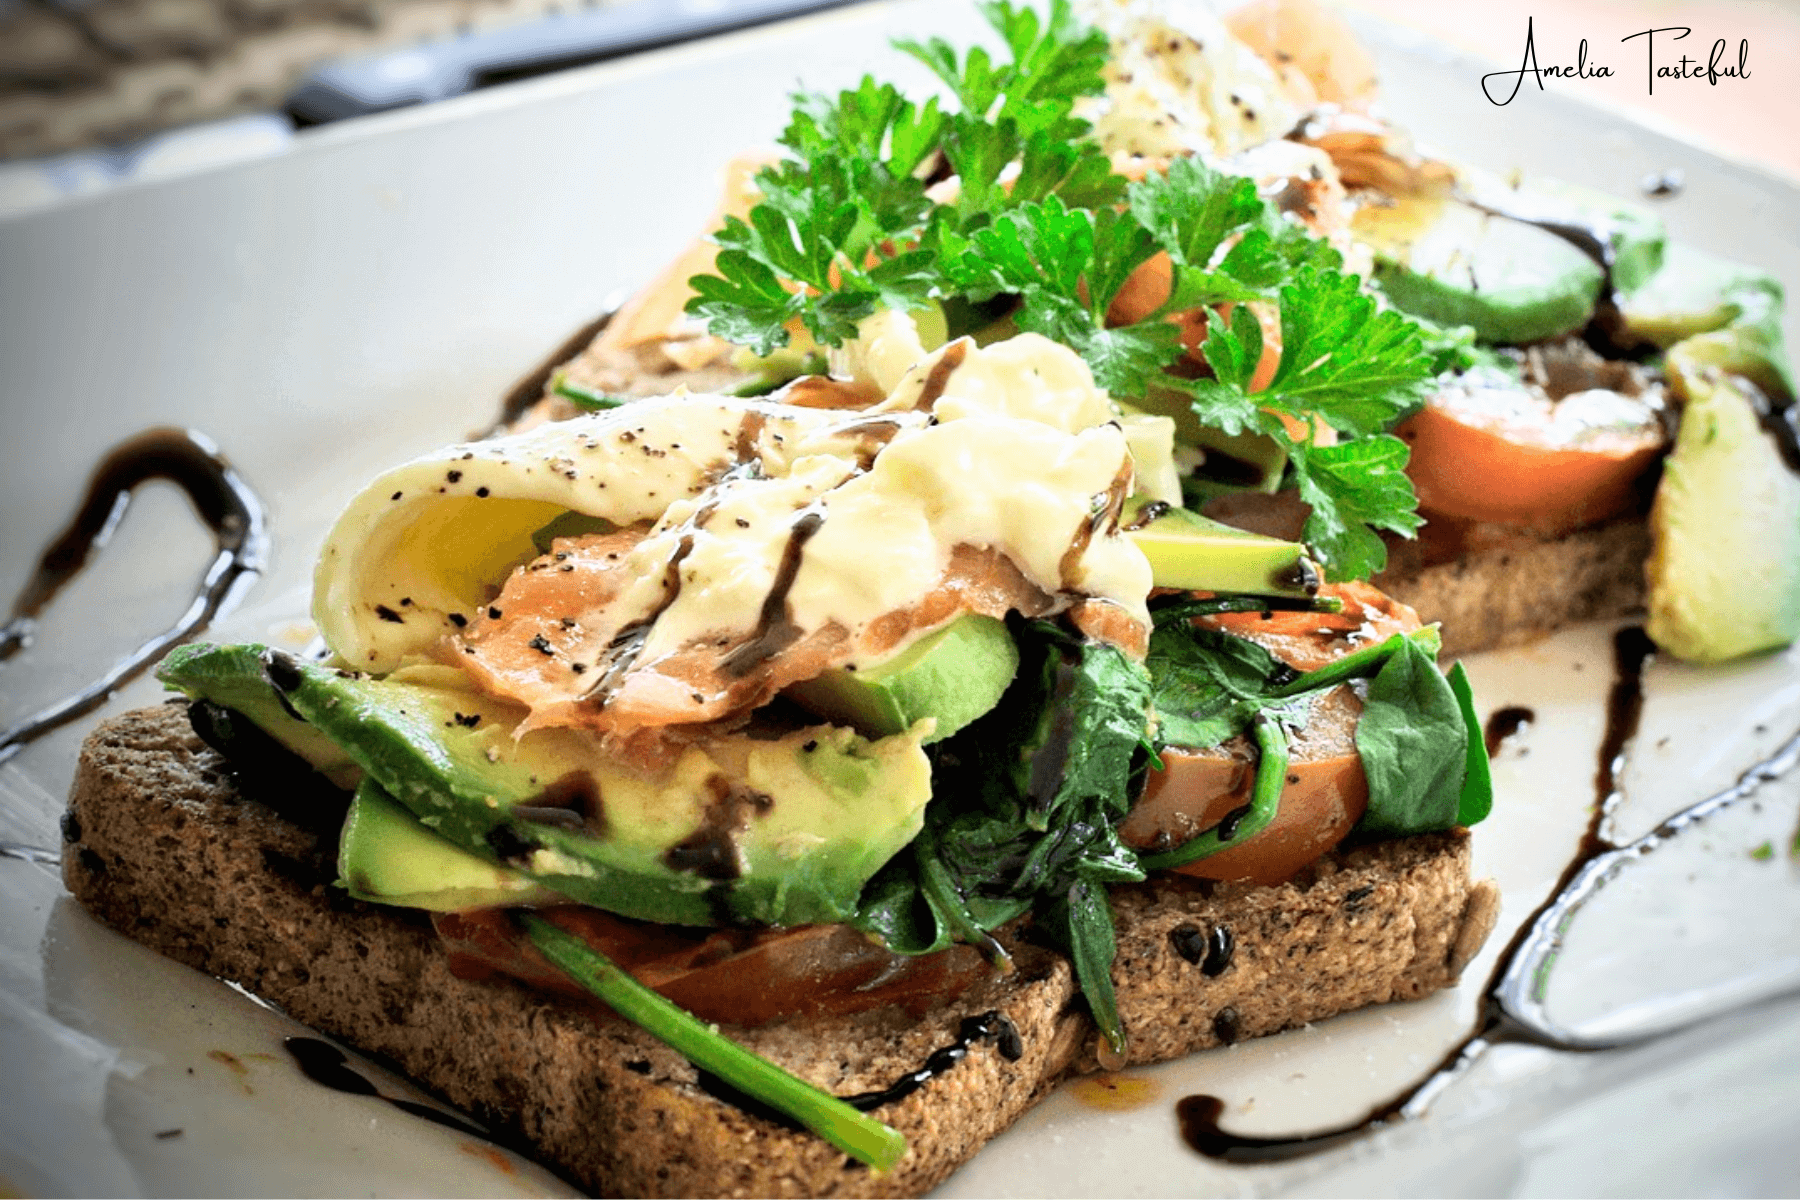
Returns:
<point x="1477" y="798"/>
<point x="1207" y="684"/>
<point x="1419" y="740"/>
<point x="1414" y="745"/>
<point x="1024" y="813"/>
<point x="1026" y="801"/>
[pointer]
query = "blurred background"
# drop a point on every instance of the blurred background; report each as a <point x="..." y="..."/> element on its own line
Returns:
<point x="95" y="92"/>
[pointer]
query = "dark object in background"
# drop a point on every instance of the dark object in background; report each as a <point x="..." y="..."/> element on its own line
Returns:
<point x="438" y="70"/>
<point x="1663" y="185"/>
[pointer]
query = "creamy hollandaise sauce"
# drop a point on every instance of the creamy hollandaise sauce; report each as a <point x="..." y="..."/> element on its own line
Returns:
<point x="729" y="532"/>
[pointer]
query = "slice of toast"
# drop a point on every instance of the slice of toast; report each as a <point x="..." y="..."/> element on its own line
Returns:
<point x="1513" y="587"/>
<point x="168" y="845"/>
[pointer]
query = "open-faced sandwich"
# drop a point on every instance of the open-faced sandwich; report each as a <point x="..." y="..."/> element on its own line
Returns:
<point x="776" y="788"/>
<point x="857" y="727"/>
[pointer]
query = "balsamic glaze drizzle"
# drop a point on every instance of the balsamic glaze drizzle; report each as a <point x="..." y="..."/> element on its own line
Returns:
<point x="326" y="1065"/>
<point x="1513" y="1009"/>
<point x="992" y="1025"/>
<point x="1153" y="511"/>
<point x="1592" y="239"/>
<point x="221" y="499"/>
<point x="1503" y="723"/>
<point x="775" y="628"/>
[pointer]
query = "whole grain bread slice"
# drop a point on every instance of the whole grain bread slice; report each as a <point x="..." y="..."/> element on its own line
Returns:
<point x="1496" y="587"/>
<point x="170" y="846"/>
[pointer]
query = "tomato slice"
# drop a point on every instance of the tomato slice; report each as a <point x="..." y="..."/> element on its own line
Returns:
<point x="1325" y="796"/>
<point x="1488" y="449"/>
<point x="1308" y="640"/>
<point x="736" y="976"/>
<point x="1326" y="792"/>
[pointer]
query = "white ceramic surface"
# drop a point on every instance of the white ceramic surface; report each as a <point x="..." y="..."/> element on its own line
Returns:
<point x="370" y="292"/>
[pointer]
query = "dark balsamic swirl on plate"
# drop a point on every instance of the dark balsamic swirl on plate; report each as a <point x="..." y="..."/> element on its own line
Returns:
<point x="329" y="1067"/>
<point x="1513" y="1010"/>
<point x="222" y="501"/>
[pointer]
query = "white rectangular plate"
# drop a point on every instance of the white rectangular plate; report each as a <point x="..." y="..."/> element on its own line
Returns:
<point x="370" y="293"/>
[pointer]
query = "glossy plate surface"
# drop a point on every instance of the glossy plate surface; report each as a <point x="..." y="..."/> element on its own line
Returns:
<point x="369" y="294"/>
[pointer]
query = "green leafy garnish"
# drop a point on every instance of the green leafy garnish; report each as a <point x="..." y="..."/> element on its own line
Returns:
<point x="585" y="398"/>
<point x="1358" y="371"/>
<point x="1355" y="488"/>
<point x="1040" y="224"/>
<point x="844" y="225"/>
<point x="1066" y="265"/>
<point x="855" y="1133"/>
<point x="1054" y="59"/>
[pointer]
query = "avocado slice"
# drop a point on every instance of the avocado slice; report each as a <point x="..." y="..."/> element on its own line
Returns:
<point x="222" y="681"/>
<point x="778" y="830"/>
<point x="388" y="857"/>
<point x="1448" y="261"/>
<point x="1724" y="569"/>
<point x="1630" y="236"/>
<point x="1695" y="293"/>
<point x="951" y="675"/>
<point x="1752" y="349"/>
<point x="1196" y="553"/>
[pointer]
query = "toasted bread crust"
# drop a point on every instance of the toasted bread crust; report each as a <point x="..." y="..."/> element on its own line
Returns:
<point x="1502" y="587"/>
<point x="165" y="847"/>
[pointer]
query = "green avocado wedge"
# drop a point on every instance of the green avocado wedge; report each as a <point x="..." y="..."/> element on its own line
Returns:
<point x="1450" y="262"/>
<point x="1196" y="553"/>
<point x="1724" y="569"/>
<point x="951" y="676"/>
<point x="1754" y="350"/>
<point x="1696" y="293"/>
<point x="223" y="680"/>
<point x="386" y="857"/>
<point x="779" y="830"/>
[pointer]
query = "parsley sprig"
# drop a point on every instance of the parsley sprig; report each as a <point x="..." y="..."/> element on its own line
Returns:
<point x="845" y="226"/>
<point x="1040" y="220"/>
